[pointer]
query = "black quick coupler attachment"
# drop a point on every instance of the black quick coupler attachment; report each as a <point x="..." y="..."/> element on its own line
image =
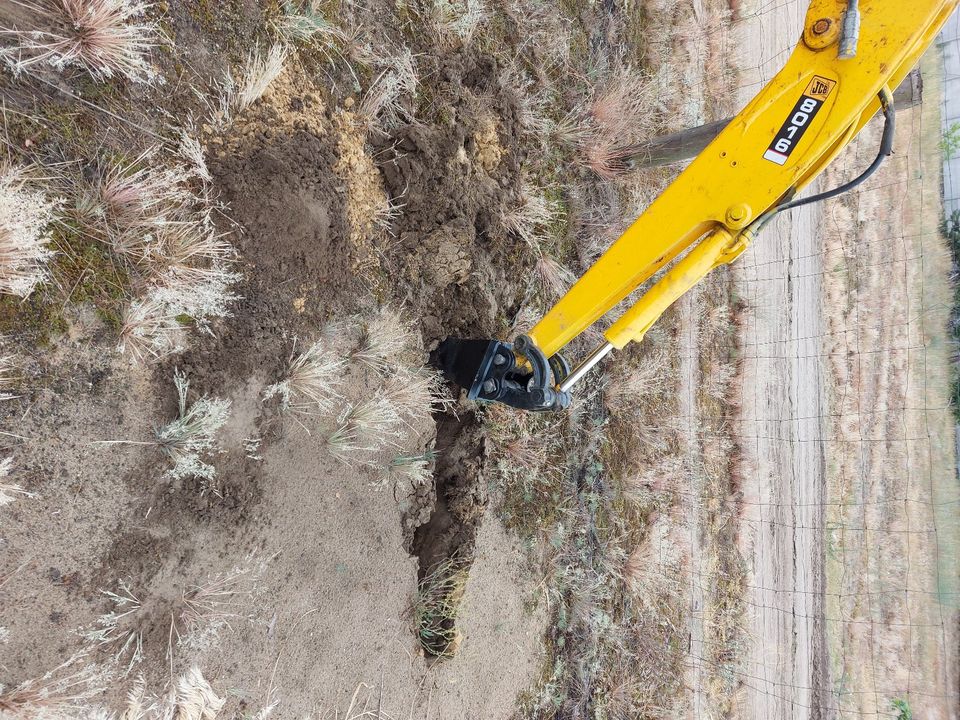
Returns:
<point x="517" y="374"/>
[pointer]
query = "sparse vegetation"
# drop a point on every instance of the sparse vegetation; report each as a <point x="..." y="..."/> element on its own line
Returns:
<point x="305" y="21"/>
<point x="381" y="107"/>
<point x="312" y="381"/>
<point x="950" y="229"/>
<point x="110" y="633"/>
<point x="453" y="164"/>
<point x="161" y="229"/>
<point x="530" y="216"/>
<point x="8" y="380"/>
<point x="951" y="140"/>
<point x="902" y="709"/>
<point x="457" y="20"/>
<point x="415" y="470"/>
<point x="192" y="434"/>
<point x="437" y="604"/>
<point x="399" y="400"/>
<point x="25" y="216"/>
<point x="384" y="340"/>
<point x="107" y="38"/>
<point x="66" y="689"/>
<point x="258" y="72"/>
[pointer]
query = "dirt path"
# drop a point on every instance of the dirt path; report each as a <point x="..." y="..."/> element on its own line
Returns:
<point x="689" y="379"/>
<point x="781" y="427"/>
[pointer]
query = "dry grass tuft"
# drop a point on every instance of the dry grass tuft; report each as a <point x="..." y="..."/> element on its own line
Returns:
<point x="417" y="393"/>
<point x="192" y="152"/>
<point x="415" y="470"/>
<point x="100" y="36"/>
<point x="305" y="22"/>
<point x="546" y="31"/>
<point x="112" y="631"/>
<point x="192" y="433"/>
<point x="9" y="364"/>
<point x="437" y="604"/>
<point x="312" y="381"/>
<point x="62" y="692"/>
<point x="207" y="608"/>
<point x="622" y="112"/>
<point x="390" y="405"/>
<point x="374" y="422"/>
<point x="718" y="378"/>
<point x="530" y="216"/>
<point x="384" y="340"/>
<point x="553" y="278"/>
<point x="162" y="231"/>
<point x="150" y="329"/>
<point x="258" y="72"/>
<point x="526" y="457"/>
<point x="630" y="387"/>
<point x="381" y="106"/>
<point x="456" y="21"/>
<point x="25" y="215"/>
<point x="195" y="698"/>
<point x="10" y="491"/>
<point x="343" y="443"/>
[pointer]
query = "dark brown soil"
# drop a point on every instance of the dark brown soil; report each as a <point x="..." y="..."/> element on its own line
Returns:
<point x="281" y="189"/>
<point x="460" y="268"/>
<point x="461" y="496"/>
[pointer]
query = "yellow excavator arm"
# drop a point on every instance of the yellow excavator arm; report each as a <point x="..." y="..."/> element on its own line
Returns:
<point x="843" y="71"/>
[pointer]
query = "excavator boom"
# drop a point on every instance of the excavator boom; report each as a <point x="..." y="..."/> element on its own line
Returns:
<point x="842" y="72"/>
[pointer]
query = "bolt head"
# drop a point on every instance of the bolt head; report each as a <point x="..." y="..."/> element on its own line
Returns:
<point x="738" y="215"/>
<point x="489" y="386"/>
<point x="499" y="359"/>
<point x="822" y="26"/>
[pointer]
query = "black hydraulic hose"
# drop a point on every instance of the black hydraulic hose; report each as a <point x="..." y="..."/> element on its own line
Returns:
<point x="886" y="148"/>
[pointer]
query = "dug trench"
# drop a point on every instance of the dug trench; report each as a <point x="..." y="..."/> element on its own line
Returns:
<point x="288" y="175"/>
<point x="461" y="270"/>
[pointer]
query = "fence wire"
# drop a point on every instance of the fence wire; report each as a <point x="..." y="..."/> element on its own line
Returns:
<point x="847" y="482"/>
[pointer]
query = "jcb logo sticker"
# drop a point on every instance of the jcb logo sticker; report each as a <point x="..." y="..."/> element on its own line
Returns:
<point x="800" y="119"/>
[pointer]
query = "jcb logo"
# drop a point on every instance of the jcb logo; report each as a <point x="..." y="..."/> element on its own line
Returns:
<point x="796" y="125"/>
<point x="819" y="88"/>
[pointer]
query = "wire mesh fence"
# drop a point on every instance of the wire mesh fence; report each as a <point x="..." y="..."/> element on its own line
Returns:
<point x="846" y="481"/>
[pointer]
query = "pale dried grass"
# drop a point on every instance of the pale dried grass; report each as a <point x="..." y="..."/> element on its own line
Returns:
<point x="26" y="214"/>
<point x="103" y="37"/>
<point x="258" y="73"/>
<point x="385" y="340"/>
<point x="312" y="382"/>
<point x="10" y="491"/>
<point x="456" y="21"/>
<point x="192" y="433"/>
<point x="381" y="107"/>
<point x="161" y="227"/>
<point x="531" y="215"/>
<point x="304" y="21"/>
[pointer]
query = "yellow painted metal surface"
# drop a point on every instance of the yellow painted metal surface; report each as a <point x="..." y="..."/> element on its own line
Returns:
<point x="734" y="180"/>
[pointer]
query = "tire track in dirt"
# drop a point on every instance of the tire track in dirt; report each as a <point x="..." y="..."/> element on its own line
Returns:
<point x="783" y="394"/>
<point x="689" y="379"/>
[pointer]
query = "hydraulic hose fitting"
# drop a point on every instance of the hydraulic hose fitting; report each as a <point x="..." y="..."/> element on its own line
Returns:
<point x="850" y="35"/>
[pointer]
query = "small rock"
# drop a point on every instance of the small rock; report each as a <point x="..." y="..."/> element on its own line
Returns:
<point x="348" y="103"/>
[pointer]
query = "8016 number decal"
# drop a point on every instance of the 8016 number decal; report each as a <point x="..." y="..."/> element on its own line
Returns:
<point x="800" y="119"/>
